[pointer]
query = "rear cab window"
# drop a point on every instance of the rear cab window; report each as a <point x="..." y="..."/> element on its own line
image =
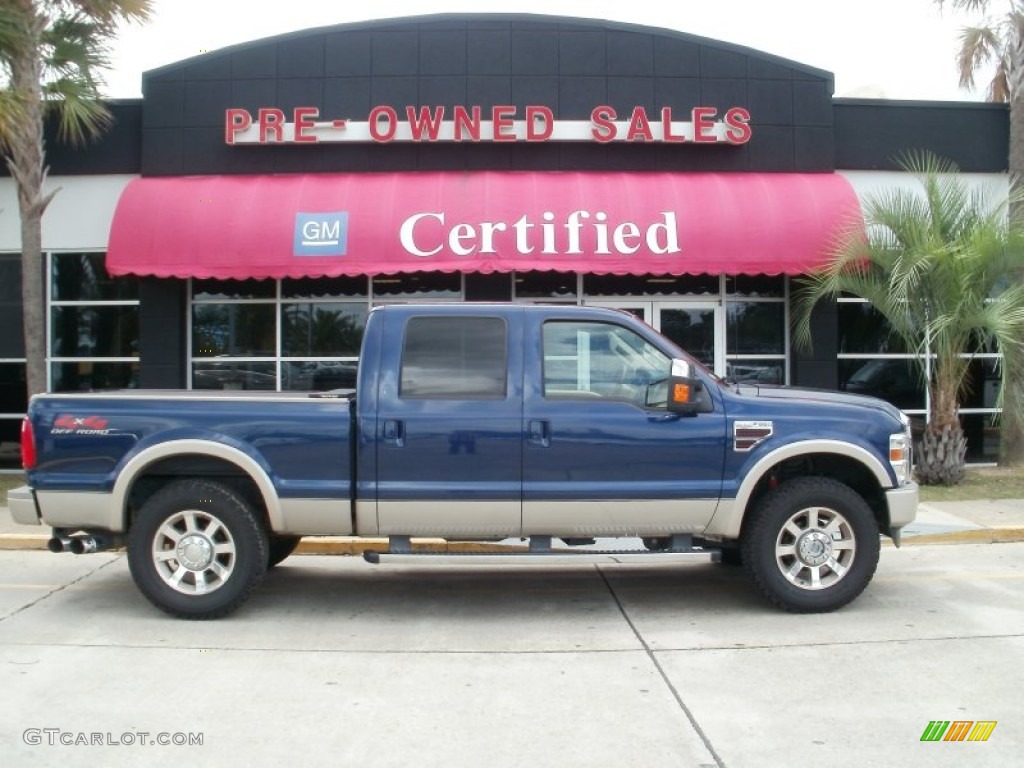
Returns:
<point x="462" y="357"/>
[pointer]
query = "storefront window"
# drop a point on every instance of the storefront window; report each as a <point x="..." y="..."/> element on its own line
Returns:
<point x="756" y="328"/>
<point x="84" y="376"/>
<point x="233" y="290"/>
<point x="896" y="380"/>
<point x="95" y="331"/>
<point x="325" y="288"/>
<point x="546" y="286"/>
<point x="94" y="325"/>
<point x="756" y="286"/>
<point x="298" y="334"/>
<point x="83" y="277"/>
<point x="13" y="404"/>
<point x="863" y="330"/>
<point x="418" y="286"/>
<point x="322" y="329"/>
<point x="651" y="285"/>
<point x="13" y="400"/>
<point x="234" y="330"/>
<point x="874" y="362"/>
<point x="226" y="374"/>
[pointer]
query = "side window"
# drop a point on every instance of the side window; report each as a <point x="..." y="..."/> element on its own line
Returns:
<point x="598" y="360"/>
<point x="454" y="357"/>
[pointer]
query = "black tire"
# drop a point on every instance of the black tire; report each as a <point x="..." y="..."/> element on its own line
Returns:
<point x="732" y="555"/>
<point x="832" y="559"/>
<point x="215" y="527"/>
<point x="280" y="546"/>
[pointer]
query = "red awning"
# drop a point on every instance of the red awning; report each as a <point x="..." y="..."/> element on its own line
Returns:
<point x="488" y="221"/>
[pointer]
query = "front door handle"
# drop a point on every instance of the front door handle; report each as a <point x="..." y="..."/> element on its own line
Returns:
<point x="539" y="431"/>
<point x="394" y="431"/>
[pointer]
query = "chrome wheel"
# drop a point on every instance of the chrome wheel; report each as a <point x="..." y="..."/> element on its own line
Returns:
<point x="193" y="552"/>
<point x="815" y="548"/>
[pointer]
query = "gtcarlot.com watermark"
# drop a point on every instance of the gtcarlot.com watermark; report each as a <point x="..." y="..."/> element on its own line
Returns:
<point x="53" y="737"/>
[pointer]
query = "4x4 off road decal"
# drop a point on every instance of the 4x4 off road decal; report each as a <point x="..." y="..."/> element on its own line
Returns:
<point x="68" y="424"/>
<point x="747" y="434"/>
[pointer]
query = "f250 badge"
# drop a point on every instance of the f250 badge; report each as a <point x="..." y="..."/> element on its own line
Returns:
<point x="79" y="425"/>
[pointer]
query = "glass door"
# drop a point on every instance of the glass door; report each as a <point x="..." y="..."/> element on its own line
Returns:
<point x="696" y="326"/>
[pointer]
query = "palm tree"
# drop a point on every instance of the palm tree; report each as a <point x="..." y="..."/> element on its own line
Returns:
<point x="999" y="43"/>
<point x="937" y="263"/>
<point x="51" y="53"/>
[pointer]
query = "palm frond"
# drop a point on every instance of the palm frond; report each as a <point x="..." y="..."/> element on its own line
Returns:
<point x="81" y="114"/>
<point x="978" y="46"/>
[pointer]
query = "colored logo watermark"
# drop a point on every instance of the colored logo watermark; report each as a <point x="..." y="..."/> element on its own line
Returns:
<point x="958" y="730"/>
<point x="321" y="234"/>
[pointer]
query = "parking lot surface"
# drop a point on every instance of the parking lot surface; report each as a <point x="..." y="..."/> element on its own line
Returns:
<point x="337" y="662"/>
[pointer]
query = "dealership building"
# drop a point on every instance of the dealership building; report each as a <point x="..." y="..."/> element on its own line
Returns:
<point x="235" y="226"/>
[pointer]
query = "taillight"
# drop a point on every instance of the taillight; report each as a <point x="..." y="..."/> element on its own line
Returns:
<point x="28" y="445"/>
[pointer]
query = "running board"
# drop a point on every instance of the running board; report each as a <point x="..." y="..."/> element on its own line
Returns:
<point x="552" y="557"/>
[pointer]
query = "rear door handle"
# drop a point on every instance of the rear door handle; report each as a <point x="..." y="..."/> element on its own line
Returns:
<point x="394" y="431"/>
<point x="539" y="431"/>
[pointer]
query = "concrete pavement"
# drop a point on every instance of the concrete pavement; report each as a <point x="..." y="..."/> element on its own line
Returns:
<point x="335" y="662"/>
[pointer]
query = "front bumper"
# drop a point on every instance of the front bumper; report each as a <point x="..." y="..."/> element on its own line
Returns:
<point x="22" y="503"/>
<point x="902" y="503"/>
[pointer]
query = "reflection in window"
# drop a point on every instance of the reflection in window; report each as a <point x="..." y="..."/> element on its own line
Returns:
<point x="650" y="285"/>
<point x="85" y="376"/>
<point x="230" y="290"/>
<point x="896" y="380"/>
<point x="94" y="325"/>
<point x="418" y="285"/>
<point x="863" y="330"/>
<point x="558" y="286"/>
<point x="237" y="330"/>
<point x="322" y="330"/>
<point x="95" y="331"/>
<point x="13" y="403"/>
<point x="754" y="371"/>
<point x="223" y="374"/>
<point x="756" y="328"/>
<point x="584" y="360"/>
<point x="83" y="277"/>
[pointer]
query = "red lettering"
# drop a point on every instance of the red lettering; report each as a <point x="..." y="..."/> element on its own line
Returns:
<point x="390" y="118"/>
<point x="704" y="124"/>
<point x="235" y="121"/>
<point x="466" y="123"/>
<point x="271" y="124"/>
<point x="603" y="120"/>
<point x="666" y="127"/>
<point x="737" y="126"/>
<point x="545" y="117"/>
<point x="504" y="127"/>
<point x="305" y="124"/>
<point x="639" y="126"/>
<point x="425" y="122"/>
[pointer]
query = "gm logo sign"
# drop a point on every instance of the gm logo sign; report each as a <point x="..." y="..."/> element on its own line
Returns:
<point x="321" y="234"/>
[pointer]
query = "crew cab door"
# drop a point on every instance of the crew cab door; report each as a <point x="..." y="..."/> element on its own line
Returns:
<point x="449" y="425"/>
<point x="602" y="455"/>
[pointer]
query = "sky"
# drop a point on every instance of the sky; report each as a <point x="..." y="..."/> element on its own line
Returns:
<point x="895" y="49"/>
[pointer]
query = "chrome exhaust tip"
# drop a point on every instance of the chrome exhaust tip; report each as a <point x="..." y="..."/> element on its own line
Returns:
<point x="85" y="545"/>
<point x="60" y="544"/>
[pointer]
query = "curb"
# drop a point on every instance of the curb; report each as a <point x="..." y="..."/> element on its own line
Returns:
<point x="350" y="545"/>
<point x="972" y="536"/>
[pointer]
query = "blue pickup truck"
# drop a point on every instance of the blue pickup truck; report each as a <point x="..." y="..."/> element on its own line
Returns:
<point x="469" y="422"/>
